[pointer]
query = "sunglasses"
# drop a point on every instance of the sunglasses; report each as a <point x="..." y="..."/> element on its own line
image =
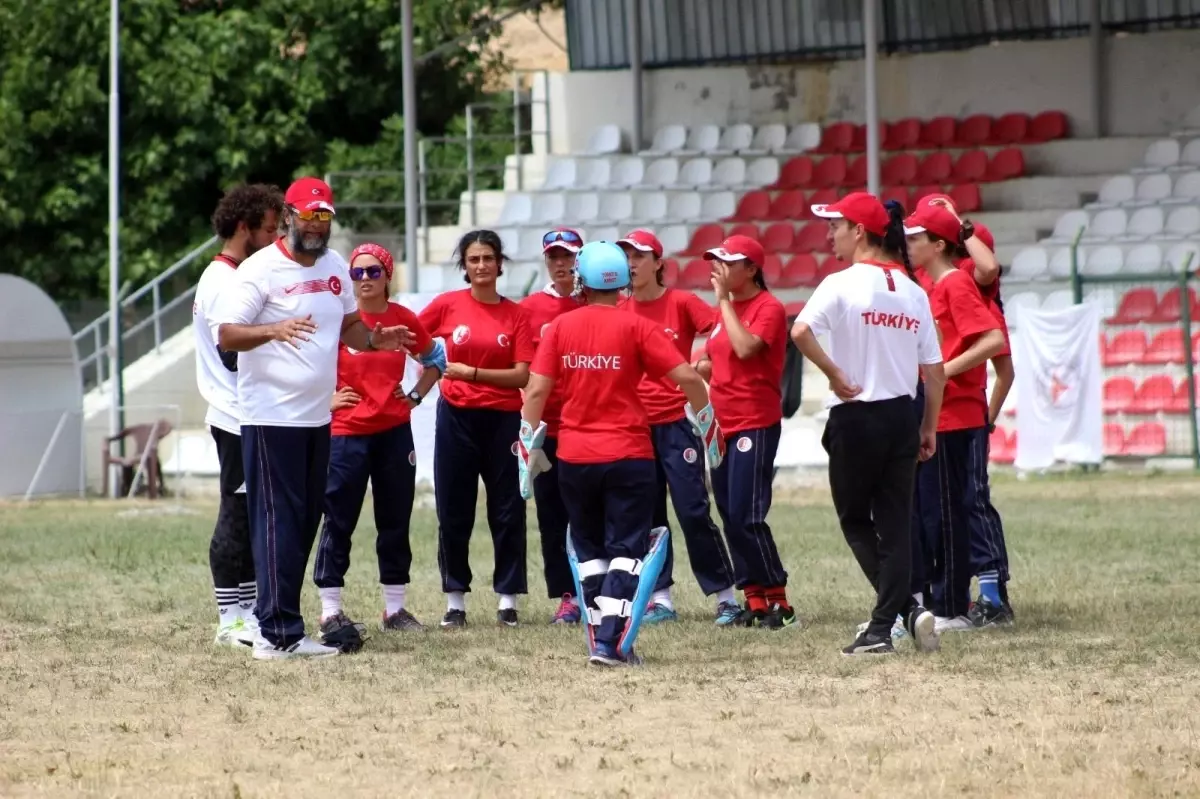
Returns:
<point x="565" y="236"/>
<point x="372" y="272"/>
<point x="319" y="216"/>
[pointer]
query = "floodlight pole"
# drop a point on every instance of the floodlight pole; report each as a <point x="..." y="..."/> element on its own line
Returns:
<point x="116" y="401"/>
<point x="870" y="46"/>
<point x="1099" y="112"/>
<point x="633" y="13"/>
<point x="408" y="85"/>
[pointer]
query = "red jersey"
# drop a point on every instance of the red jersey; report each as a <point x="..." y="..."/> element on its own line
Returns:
<point x="747" y="394"/>
<point x="483" y="335"/>
<point x="374" y="376"/>
<point x="989" y="293"/>
<point x="681" y="315"/>
<point x="542" y="308"/>
<point x="961" y="316"/>
<point x="599" y="356"/>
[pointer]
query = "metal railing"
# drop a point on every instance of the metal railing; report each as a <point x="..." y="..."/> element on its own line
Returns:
<point x="1149" y="356"/>
<point x="144" y="330"/>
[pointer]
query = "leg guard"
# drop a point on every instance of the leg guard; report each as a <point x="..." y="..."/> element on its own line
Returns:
<point x="646" y="571"/>
<point x="589" y="576"/>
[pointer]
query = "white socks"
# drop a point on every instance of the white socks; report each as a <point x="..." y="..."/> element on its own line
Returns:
<point x="228" y="609"/>
<point x="247" y="596"/>
<point x="663" y="598"/>
<point x="393" y="599"/>
<point x="456" y="600"/>
<point x="726" y="595"/>
<point x="920" y="597"/>
<point x="331" y="601"/>
<point x="508" y="602"/>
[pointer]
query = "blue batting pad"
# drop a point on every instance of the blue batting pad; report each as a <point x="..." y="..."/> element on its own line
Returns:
<point x="589" y="633"/>
<point x="652" y="566"/>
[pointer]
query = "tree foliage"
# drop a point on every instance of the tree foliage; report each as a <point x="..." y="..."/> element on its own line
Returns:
<point x="212" y="92"/>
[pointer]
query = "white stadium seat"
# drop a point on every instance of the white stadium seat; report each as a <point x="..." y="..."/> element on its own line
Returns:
<point x="595" y="173"/>
<point x="729" y="173"/>
<point x="605" y="140"/>
<point x="668" y="139"/>
<point x="1014" y="304"/>
<point x="649" y="207"/>
<point x="518" y="210"/>
<point x="1106" y="260"/>
<point x="561" y="174"/>
<point x="702" y="139"/>
<point x="735" y="139"/>
<point x="674" y="238"/>
<point x="548" y="208"/>
<point x="1190" y="157"/>
<point x="1068" y="225"/>
<point x="616" y="206"/>
<point x="1115" y="191"/>
<point x="583" y="208"/>
<point x="768" y="139"/>
<point x="607" y="233"/>
<point x="1104" y="296"/>
<point x="718" y="205"/>
<point x="1029" y="264"/>
<point x="762" y="172"/>
<point x="684" y="206"/>
<point x="1144" y="223"/>
<point x="1162" y="154"/>
<point x="697" y="172"/>
<point x="1144" y="259"/>
<point x="1186" y="189"/>
<point x="1177" y="256"/>
<point x="1058" y="300"/>
<point x="628" y="172"/>
<point x="1107" y="224"/>
<point x="661" y="173"/>
<point x="1060" y="262"/>
<point x="1183" y="223"/>
<point x="1153" y="188"/>
<point x="510" y="240"/>
<point x="803" y="137"/>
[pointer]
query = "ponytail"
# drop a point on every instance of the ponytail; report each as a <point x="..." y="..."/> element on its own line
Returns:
<point x="894" y="241"/>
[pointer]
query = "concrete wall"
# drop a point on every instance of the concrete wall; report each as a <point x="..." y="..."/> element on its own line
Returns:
<point x="1150" y="91"/>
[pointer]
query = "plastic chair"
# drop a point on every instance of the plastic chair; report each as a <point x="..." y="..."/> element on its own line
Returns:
<point x="146" y="438"/>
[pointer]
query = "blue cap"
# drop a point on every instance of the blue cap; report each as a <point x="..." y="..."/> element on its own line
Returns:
<point x="602" y="266"/>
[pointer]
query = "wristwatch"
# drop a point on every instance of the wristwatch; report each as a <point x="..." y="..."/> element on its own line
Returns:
<point x="370" y="340"/>
<point x="968" y="229"/>
<point x="414" y="397"/>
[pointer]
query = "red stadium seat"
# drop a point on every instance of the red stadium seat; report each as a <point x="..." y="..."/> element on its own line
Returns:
<point x="1181" y="402"/>
<point x="772" y="267"/>
<point x="921" y="192"/>
<point x="903" y="134"/>
<point x="837" y="138"/>
<point x="1153" y="395"/>
<point x="1114" y="439"/>
<point x="899" y="170"/>
<point x="1167" y="346"/>
<point x="813" y="237"/>
<point x="1196" y="348"/>
<point x="744" y="229"/>
<point x="830" y="172"/>
<point x="1128" y="346"/>
<point x="793" y="309"/>
<point x="1048" y="126"/>
<point x="1002" y="446"/>
<point x="829" y="266"/>
<point x="973" y="131"/>
<point x="856" y="172"/>
<point x="670" y="272"/>
<point x="966" y="198"/>
<point x="935" y="168"/>
<point x="1147" y="440"/>
<point x="1007" y="164"/>
<point x="938" y="132"/>
<point x="858" y="143"/>
<point x="696" y="275"/>
<point x="1169" y="308"/>
<point x="822" y="197"/>
<point x="705" y="238"/>
<point x="1137" y="305"/>
<point x="799" y="270"/>
<point x="970" y="167"/>
<point x="753" y="206"/>
<point x="1119" y="393"/>
<point x="778" y="237"/>
<point x="898" y="193"/>
<point x="1010" y="129"/>
<point x="788" y="205"/>
<point x="796" y="173"/>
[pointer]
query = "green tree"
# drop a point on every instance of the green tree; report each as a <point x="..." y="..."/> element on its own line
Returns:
<point x="212" y="93"/>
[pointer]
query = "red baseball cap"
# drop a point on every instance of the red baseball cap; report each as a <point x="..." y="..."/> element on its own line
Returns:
<point x="985" y="235"/>
<point x="310" y="194"/>
<point x="643" y="240"/>
<point x="564" y="238"/>
<point x="859" y="208"/>
<point x="934" y="219"/>
<point x="735" y="248"/>
<point x="929" y="198"/>
<point x="377" y="250"/>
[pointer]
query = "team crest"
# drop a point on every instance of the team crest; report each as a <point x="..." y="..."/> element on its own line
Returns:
<point x="545" y="327"/>
<point x="412" y="458"/>
<point x="744" y="444"/>
<point x="461" y="334"/>
<point x="689" y="455"/>
<point x="515" y="450"/>
<point x="335" y="285"/>
<point x="674" y="336"/>
<point x="502" y="339"/>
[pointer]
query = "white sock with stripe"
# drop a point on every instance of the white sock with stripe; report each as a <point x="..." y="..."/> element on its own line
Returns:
<point x="247" y="596"/>
<point x="227" y="605"/>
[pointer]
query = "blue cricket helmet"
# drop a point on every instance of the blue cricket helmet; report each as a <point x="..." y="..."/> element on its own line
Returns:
<point x="601" y="265"/>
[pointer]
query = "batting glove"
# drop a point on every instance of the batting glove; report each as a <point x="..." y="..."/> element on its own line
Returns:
<point x="704" y="424"/>
<point x="531" y="461"/>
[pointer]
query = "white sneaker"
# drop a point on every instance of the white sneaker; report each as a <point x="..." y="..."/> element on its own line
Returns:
<point x="925" y="634"/>
<point x="249" y="631"/>
<point x="898" y="630"/>
<point x="955" y="625"/>
<point x="304" y="648"/>
<point x="235" y="633"/>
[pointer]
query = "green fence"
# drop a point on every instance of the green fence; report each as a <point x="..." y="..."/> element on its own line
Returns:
<point x="1149" y="349"/>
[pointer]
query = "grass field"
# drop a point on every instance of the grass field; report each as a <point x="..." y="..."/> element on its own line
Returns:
<point x="109" y="685"/>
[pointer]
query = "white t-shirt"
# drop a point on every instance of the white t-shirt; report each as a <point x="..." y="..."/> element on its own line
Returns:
<point x="217" y="384"/>
<point x="280" y="385"/>
<point x="880" y="329"/>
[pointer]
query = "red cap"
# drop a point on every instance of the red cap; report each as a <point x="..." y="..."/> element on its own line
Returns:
<point x="643" y="240"/>
<point x="935" y="219"/>
<point x="563" y="237"/>
<point x="985" y="235"/>
<point x="735" y="248"/>
<point x="310" y="194"/>
<point x="859" y="208"/>
<point x="929" y="198"/>
<point x="379" y="252"/>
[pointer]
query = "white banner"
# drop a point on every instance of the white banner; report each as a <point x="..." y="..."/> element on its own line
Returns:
<point x="1056" y="357"/>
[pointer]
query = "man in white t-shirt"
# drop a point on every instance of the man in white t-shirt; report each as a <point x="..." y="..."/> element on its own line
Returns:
<point x="245" y="221"/>
<point x="284" y="313"/>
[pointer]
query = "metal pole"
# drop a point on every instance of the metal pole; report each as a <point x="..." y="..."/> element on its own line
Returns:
<point x="471" y="162"/>
<point x="1097" y="53"/>
<point x="409" y="88"/>
<point x="116" y="400"/>
<point x="870" y="46"/>
<point x="516" y="108"/>
<point x="633" y="14"/>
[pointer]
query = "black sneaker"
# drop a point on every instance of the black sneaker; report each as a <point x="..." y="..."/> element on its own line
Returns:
<point x="922" y="628"/>
<point x="454" y="620"/>
<point x="342" y="633"/>
<point x="402" y="620"/>
<point x="869" y="644"/>
<point x="779" y="617"/>
<point x="748" y="618"/>
<point x="984" y="613"/>
<point x="506" y="617"/>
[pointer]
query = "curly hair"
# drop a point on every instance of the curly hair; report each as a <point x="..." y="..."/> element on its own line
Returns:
<point x="247" y="203"/>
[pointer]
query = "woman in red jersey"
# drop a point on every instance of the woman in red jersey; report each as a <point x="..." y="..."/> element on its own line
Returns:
<point x="677" y="451"/>
<point x="744" y="364"/>
<point x="488" y="349"/>
<point x="559" y="248"/>
<point x="600" y="355"/>
<point x="969" y="336"/>
<point x="372" y="439"/>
